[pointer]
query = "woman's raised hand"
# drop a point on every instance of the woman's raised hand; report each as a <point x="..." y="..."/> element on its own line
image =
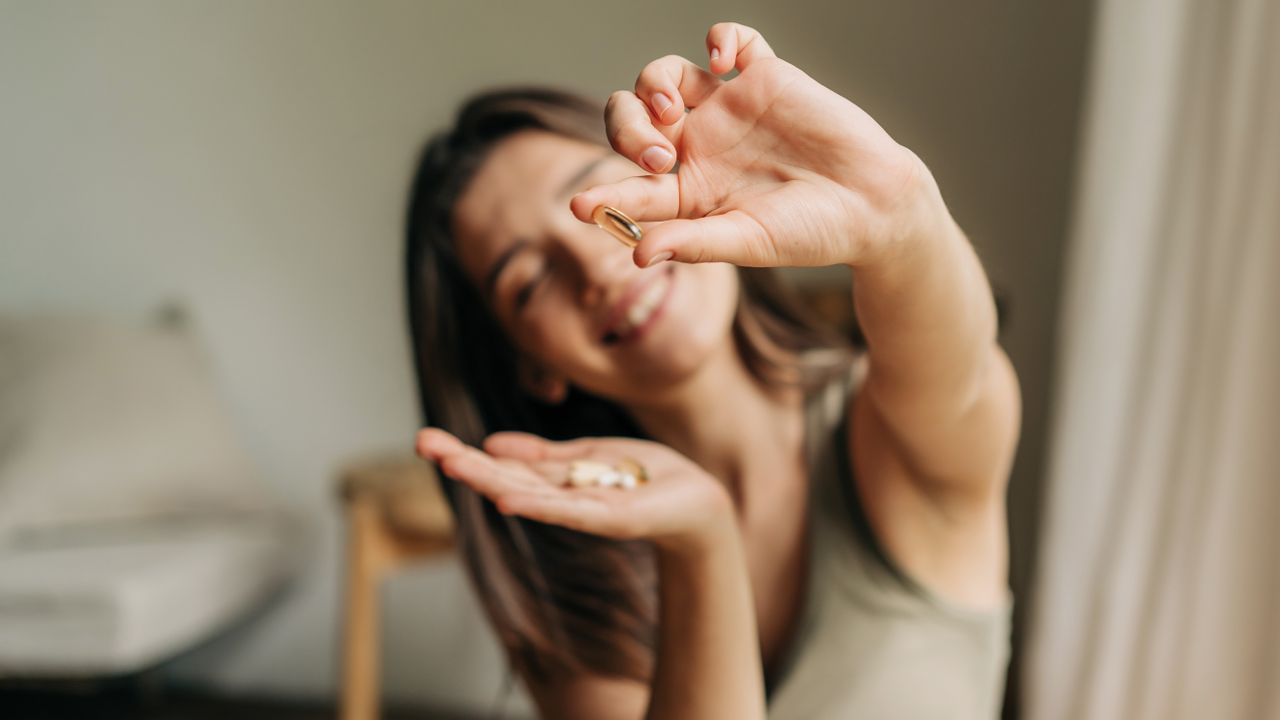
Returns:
<point x="774" y="168"/>
<point x="680" y="508"/>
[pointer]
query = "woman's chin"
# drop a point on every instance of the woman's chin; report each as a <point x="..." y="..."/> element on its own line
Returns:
<point x="677" y="336"/>
<point x="689" y="326"/>
<point x="672" y="349"/>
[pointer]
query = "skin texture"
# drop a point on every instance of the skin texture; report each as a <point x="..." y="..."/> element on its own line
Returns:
<point x="774" y="170"/>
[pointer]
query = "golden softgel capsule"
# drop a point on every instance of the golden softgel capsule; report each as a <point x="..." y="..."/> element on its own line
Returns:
<point x="617" y="224"/>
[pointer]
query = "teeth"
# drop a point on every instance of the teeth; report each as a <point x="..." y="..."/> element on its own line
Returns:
<point x="643" y="306"/>
<point x="638" y="313"/>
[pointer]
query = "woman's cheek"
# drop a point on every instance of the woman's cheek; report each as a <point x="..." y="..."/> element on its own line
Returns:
<point x="559" y="342"/>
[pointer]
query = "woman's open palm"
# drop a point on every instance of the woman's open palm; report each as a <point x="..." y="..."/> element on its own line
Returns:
<point x="524" y="475"/>
<point x="774" y="168"/>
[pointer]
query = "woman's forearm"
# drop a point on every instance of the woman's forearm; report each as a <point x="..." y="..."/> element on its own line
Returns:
<point x="708" y="659"/>
<point x="926" y="308"/>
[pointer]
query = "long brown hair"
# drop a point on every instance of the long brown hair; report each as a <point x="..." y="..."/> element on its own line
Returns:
<point x="561" y="601"/>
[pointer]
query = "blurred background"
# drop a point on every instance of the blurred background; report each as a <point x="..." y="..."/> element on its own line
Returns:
<point x="218" y="188"/>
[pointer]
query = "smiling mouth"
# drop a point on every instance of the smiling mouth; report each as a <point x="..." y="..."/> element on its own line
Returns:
<point x="640" y="311"/>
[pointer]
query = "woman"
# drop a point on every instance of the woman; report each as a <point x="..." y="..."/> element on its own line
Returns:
<point x="822" y="533"/>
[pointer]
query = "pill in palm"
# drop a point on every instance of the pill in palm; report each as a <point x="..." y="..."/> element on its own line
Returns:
<point x="632" y="468"/>
<point x="628" y="474"/>
<point x="583" y="473"/>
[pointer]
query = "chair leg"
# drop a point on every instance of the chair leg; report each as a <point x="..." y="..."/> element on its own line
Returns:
<point x="365" y="560"/>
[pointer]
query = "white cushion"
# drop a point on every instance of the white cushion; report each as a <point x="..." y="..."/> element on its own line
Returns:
<point x="105" y="422"/>
<point x="119" y="600"/>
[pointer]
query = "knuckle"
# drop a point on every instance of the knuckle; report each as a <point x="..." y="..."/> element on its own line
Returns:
<point x="621" y="120"/>
<point x="580" y="446"/>
<point x="649" y="73"/>
<point x="614" y="132"/>
<point x="656" y="69"/>
<point x="630" y="133"/>
<point x="616" y="99"/>
<point x="644" y="203"/>
<point x="449" y="465"/>
<point x="671" y="63"/>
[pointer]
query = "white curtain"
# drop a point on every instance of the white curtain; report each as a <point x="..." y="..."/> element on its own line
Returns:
<point x="1158" y="591"/>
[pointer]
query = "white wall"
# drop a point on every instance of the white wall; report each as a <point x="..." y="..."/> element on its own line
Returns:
<point x="250" y="159"/>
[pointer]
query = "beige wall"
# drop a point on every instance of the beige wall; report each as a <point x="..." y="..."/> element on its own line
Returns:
<point x="250" y="159"/>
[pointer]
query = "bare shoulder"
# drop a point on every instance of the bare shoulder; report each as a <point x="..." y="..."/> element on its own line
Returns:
<point x="934" y="492"/>
<point x="588" y="696"/>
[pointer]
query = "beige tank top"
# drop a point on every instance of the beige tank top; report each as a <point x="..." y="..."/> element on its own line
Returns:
<point x="873" y="643"/>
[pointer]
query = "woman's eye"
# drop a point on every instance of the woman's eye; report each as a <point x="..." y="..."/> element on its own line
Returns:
<point x="524" y="293"/>
<point x="526" y="289"/>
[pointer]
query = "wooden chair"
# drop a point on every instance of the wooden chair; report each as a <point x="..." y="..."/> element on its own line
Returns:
<point x="395" y="514"/>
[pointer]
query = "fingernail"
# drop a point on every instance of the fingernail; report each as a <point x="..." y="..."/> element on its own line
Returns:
<point x="715" y="53"/>
<point x="663" y="256"/>
<point x="660" y="103"/>
<point x="655" y="158"/>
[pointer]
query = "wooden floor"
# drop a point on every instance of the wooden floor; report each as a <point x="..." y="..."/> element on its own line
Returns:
<point x="72" y="703"/>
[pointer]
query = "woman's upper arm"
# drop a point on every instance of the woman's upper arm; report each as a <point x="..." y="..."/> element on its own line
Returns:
<point x="590" y="697"/>
<point x="959" y="455"/>
<point x="934" y="493"/>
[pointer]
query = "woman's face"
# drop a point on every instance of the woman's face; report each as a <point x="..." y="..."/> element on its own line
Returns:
<point x="568" y="294"/>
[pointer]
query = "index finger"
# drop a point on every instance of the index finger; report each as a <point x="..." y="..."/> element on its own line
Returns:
<point x="642" y="197"/>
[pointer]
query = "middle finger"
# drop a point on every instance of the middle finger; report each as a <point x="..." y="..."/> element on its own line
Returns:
<point x="488" y="476"/>
<point x="672" y="83"/>
<point x="633" y="135"/>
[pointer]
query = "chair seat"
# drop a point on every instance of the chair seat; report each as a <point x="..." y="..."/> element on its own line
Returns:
<point x="407" y="493"/>
<point x="115" y="599"/>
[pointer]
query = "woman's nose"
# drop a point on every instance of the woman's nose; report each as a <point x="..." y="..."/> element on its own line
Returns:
<point x="603" y="262"/>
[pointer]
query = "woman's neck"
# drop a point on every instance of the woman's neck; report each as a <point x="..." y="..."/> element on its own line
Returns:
<point x="724" y="420"/>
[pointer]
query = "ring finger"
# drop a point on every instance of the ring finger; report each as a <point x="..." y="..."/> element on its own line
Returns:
<point x="634" y="136"/>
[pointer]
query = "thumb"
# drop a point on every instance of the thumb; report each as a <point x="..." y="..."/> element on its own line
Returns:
<point x="733" y="237"/>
